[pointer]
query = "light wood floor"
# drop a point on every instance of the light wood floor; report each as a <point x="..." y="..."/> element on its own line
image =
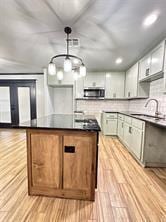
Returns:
<point x="126" y="191"/>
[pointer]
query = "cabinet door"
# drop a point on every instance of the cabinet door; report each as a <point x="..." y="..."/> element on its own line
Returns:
<point x="157" y="59"/>
<point x="136" y="143"/>
<point x="131" y="86"/>
<point x="127" y="135"/>
<point x="46" y="158"/>
<point x="144" y="67"/>
<point x="120" y="129"/>
<point x="114" y="86"/>
<point x="110" y="127"/>
<point x="94" y="79"/>
<point x="78" y="162"/>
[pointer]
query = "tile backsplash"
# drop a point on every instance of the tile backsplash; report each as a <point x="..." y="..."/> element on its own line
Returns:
<point x="156" y="92"/>
<point x="100" y="105"/>
<point x="137" y="105"/>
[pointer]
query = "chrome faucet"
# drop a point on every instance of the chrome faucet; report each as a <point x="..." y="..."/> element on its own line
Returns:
<point x="157" y="106"/>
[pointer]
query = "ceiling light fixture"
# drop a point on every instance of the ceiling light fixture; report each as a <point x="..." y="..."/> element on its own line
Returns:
<point x="60" y="75"/>
<point x="119" y="60"/>
<point x="150" y="19"/>
<point x="71" y="62"/>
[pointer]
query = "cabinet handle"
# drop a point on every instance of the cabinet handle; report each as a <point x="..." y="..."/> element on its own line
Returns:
<point x="114" y="95"/>
<point x="38" y="165"/>
<point x="69" y="149"/>
<point x="147" y="71"/>
<point x="128" y="94"/>
<point x="130" y="129"/>
<point x="122" y="125"/>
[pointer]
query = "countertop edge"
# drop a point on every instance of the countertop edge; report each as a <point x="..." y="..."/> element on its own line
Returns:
<point x="137" y="117"/>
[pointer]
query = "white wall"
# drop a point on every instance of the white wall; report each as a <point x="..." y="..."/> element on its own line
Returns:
<point x="48" y="97"/>
<point x="39" y="89"/>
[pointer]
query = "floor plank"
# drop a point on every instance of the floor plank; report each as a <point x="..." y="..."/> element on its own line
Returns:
<point x="126" y="191"/>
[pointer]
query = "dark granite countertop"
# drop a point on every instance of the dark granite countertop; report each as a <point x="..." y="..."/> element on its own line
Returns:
<point x="62" y="121"/>
<point x="159" y="122"/>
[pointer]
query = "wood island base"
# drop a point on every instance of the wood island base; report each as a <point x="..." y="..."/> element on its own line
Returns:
<point x="62" y="163"/>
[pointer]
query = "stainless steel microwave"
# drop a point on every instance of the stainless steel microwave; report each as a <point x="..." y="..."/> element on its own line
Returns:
<point x="94" y="93"/>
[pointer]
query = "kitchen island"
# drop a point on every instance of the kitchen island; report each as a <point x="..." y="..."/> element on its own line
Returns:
<point x="62" y="156"/>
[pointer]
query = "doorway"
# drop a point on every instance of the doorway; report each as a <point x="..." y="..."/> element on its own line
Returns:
<point x="17" y="101"/>
<point x="63" y="100"/>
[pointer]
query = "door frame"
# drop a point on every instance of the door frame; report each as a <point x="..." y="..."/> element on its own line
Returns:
<point x="14" y="106"/>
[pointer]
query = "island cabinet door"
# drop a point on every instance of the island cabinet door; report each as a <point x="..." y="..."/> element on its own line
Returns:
<point x="46" y="152"/>
<point x="79" y="165"/>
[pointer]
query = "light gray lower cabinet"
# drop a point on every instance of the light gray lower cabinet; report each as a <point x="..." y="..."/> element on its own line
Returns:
<point x="109" y="124"/>
<point x="136" y="142"/>
<point x="146" y="142"/>
<point x="131" y="134"/>
<point x="127" y="135"/>
<point x="120" y="131"/>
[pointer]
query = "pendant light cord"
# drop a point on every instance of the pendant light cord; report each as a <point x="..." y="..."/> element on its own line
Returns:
<point x="67" y="40"/>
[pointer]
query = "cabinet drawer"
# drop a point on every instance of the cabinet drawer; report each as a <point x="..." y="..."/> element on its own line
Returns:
<point x="120" y="116"/>
<point x="111" y="115"/>
<point x="128" y="119"/>
<point x="138" y="123"/>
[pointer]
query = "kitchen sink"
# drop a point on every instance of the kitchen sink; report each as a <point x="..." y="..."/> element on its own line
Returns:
<point x="147" y="116"/>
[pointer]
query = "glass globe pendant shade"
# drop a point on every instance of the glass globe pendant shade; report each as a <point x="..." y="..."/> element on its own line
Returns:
<point x="67" y="65"/>
<point x="75" y="75"/>
<point x="60" y="75"/>
<point x="51" y="69"/>
<point x="82" y="70"/>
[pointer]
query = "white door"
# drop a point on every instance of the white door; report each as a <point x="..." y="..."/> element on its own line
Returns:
<point x="24" y="104"/>
<point x="63" y="100"/>
<point x="5" y="111"/>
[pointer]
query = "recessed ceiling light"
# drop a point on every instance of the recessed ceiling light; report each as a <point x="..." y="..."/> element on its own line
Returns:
<point x="119" y="60"/>
<point x="150" y="19"/>
<point x="108" y="75"/>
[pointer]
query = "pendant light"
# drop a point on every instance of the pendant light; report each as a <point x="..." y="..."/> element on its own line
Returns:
<point x="60" y="75"/>
<point x="67" y="65"/>
<point x="51" y="69"/>
<point x="82" y="70"/>
<point x="71" y="62"/>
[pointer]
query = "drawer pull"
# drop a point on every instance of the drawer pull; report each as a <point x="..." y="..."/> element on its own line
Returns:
<point x="130" y="129"/>
<point x="69" y="149"/>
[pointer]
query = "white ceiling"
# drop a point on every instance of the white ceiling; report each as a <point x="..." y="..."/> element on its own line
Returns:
<point x="31" y="32"/>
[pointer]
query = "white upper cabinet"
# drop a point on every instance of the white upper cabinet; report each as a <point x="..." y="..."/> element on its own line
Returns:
<point x="144" y="67"/>
<point x="114" y="85"/>
<point x="157" y="59"/>
<point x="94" y="79"/>
<point x="152" y="65"/>
<point x="131" y="81"/>
<point x="134" y="88"/>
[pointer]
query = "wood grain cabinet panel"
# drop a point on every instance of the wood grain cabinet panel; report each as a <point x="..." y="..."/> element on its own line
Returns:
<point x="62" y="163"/>
<point x="77" y="170"/>
<point x="46" y="157"/>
